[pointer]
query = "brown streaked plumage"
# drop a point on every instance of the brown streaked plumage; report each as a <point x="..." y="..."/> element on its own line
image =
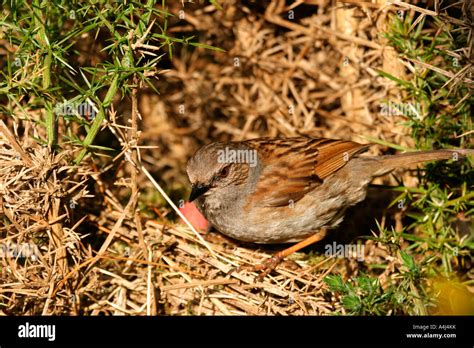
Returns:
<point x="296" y="186"/>
<point x="311" y="160"/>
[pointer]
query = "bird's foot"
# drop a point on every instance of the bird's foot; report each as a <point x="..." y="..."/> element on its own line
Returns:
<point x="264" y="268"/>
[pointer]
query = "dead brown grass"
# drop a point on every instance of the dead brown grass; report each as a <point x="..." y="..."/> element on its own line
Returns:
<point x="313" y="74"/>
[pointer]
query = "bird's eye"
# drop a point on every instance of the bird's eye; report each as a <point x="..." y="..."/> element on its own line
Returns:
<point x="224" y="172"/>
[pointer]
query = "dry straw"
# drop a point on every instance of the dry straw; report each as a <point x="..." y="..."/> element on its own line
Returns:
<point x="99" y="254"/>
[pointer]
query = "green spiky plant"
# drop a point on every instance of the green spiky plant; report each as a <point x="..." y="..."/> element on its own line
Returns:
<point x="54" y="63"/>
<point x="437" y="243"/>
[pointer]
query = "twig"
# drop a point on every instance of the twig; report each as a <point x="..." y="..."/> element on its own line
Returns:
<point x="175" y="208"/>
<point x="15" y="144"/>
<point x="221" y="281"/>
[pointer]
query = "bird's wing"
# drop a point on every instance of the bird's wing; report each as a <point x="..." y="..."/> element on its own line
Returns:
<point x="295" y="166"/>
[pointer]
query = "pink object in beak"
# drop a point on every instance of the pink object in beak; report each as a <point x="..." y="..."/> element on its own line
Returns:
<point x="194" y="216"/>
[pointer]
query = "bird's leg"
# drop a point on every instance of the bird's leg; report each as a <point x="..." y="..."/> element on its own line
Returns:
<point x="268" y="265"/>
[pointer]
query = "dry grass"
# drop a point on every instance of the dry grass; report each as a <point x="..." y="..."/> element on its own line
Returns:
<point x="99" y="252"/>
<point x="316" y="76"/>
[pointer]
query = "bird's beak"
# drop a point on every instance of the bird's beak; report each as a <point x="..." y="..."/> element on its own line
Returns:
<point x="197" y="190"/>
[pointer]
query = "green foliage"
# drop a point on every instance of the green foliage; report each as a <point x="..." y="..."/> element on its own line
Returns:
<point x="404" y="294"/>
<point x="441" y="209"/>
<point x="81" y="54"/>
<point x="444" y="102"/>
<point x="445" y="195"/>
<point x="363" y="295"/>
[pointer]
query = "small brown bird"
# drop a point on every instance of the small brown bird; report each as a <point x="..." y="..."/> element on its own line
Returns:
<point x="285" y="190"/>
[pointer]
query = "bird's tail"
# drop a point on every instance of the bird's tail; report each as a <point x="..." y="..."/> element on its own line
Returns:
<point x="387" y="163"/>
